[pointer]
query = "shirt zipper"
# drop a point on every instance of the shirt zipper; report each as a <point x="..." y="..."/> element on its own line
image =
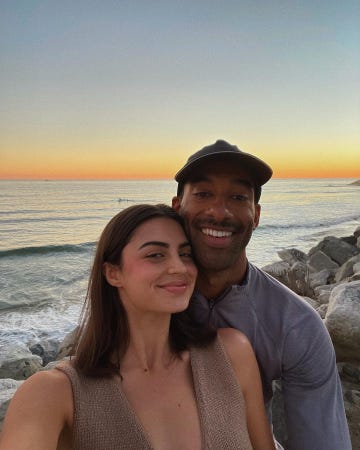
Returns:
<point x="211" y="307"/>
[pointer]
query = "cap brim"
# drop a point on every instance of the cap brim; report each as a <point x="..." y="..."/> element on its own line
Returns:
<point x="259" y="171"/>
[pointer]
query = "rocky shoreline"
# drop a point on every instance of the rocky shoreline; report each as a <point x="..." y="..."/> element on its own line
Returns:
<point x="327" y="277"/>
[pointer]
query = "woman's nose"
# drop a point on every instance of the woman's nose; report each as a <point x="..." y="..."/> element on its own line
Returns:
<point x="177" y="265"/>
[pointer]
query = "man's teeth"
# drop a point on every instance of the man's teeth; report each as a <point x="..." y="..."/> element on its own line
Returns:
<point x="216" y="233"/>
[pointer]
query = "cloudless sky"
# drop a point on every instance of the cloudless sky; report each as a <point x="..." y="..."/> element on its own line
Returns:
<point x="119" y="89"/>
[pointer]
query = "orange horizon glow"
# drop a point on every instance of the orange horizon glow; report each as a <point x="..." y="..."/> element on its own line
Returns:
<point x="167" y="174"/>
<point x="158" y="162"/>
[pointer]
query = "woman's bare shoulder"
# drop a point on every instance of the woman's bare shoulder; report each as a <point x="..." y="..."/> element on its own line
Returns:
<point x="234" y="340"/>
<point x="44" y="383"/>
<point x="240" y="353"/>
<point x="43" y="402"/>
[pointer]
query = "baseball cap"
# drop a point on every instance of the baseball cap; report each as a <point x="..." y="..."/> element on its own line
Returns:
<point x="258" y="170"/>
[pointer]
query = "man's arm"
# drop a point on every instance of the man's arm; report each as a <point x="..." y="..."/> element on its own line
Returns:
<point x="314" y="408"/>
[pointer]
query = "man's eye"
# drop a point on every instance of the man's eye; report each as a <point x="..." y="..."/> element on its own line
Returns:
<point x="241" y="197"/>
<point x="202" y="194"/>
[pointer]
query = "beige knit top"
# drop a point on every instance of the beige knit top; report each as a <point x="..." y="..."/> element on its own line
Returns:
<point x="104" y="419"/>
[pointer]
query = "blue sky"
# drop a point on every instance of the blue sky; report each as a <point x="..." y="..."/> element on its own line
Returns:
<point x="127" y="79"/>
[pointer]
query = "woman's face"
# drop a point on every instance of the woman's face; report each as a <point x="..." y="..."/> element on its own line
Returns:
<point x="157" y="273"/>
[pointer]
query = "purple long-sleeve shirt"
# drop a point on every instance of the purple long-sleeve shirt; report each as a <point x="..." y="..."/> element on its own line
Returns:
<point x="292" y="344"/>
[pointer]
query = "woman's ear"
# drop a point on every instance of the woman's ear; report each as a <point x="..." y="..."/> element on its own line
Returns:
<point x="112" y="274"/>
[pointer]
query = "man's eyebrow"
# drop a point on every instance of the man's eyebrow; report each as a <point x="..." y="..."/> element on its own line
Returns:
<point x="162" y="244"/>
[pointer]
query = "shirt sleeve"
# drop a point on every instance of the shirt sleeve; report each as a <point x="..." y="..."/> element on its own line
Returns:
<point x="313" y="402"/>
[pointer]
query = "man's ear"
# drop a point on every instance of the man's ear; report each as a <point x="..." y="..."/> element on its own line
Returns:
<point x="176" y="203"/>
<point x="112" y="274"/>
<point x="257" y="215"/>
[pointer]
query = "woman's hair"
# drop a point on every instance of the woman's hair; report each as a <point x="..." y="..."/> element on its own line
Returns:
<point x="103" y="334"/>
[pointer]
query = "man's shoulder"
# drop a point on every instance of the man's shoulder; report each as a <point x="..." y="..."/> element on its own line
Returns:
<point x="260" y="279"/>
<point x="271" y="295"/>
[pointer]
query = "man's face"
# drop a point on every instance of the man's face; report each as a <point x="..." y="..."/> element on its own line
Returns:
<point x="220" y="215"/>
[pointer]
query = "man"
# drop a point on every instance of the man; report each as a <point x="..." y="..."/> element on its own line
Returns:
<point x="218" y="195"/>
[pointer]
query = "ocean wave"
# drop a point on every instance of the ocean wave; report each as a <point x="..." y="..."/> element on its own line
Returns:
<point x="31" y="219"/>
<point x="307" y="224"/>
<point x="46" y="249"/>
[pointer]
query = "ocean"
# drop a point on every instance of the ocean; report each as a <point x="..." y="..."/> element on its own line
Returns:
<point x="49" y="229"/>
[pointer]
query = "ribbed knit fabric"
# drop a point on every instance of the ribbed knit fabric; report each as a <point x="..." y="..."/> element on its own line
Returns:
<point x="104" y="419"/>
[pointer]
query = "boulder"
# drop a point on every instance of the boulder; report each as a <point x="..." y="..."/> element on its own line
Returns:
<point x="321" y="310"/>
<point x="354" y="277"/>
<point x="66" y="346"/>
<point x="313" y="303"/>
<point x="322" y="293"/>
<point x="47" y="350"/>
<point x="319" y="261"/>
<point x="323" y="298"/>
<point x="298" y="276"/>
<point x="278" y="270"/>
<point x="18" y="363"/>
<point x="292" y="256"/>
<point x="357" y="232"/>
<point x="350" y="378"/>
<point x="336" y="249"/>
<point x="7" y="390"/>
<point x="319" y="278"/>
<point x="347" y="269"/>
<point x="342" y="320"/>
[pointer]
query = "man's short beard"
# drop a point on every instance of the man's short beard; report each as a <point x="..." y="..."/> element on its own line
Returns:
<point x="218" y="260"/>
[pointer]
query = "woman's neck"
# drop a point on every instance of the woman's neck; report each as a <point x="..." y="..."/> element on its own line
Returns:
<point x="149" y="348"/>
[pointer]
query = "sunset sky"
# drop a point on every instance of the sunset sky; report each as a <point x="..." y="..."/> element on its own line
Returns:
<point x="129" y="89"/>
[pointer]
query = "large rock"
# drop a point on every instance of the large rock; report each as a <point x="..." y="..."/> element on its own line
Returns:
<point x="18" y="363"/>
<point x="357" y="232"/>
<point x="347" y="269"/>
<point x="47" y="350"/>
<point x="278" y="270"/>
<point x="66" y="346"/>
<point x="342" y="320"/>
<point x="319" y="278"/>
<point x="299" y="279"/>
<point x="350" y="377"/>
<point x="336" y="249"/>
<point x="319" y="261"/>
<point x="7" y="390"/>
<point x="292" y="256"/>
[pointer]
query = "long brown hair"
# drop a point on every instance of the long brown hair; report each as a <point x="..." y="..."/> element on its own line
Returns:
<point x="103" y="334"/>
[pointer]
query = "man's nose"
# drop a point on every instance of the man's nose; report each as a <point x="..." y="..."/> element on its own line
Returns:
<point x="218" y="209"/>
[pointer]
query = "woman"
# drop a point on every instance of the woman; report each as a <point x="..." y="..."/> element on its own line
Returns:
<point x="144" y="375"/>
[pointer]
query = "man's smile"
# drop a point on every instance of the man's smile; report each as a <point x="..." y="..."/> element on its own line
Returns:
<point x="216" y="233"/>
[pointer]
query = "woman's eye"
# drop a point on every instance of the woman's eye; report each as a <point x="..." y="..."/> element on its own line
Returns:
<point x="187" y="255"/>
<point x="155" y="255"/>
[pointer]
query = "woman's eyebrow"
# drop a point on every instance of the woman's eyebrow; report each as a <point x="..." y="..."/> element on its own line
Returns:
<point x="157" y="243"/>
<point x="162" y="244"/>
<point x="185" y="244"/>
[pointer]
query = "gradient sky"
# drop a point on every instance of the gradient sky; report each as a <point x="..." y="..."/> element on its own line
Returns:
<point x="129" y="89"/>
